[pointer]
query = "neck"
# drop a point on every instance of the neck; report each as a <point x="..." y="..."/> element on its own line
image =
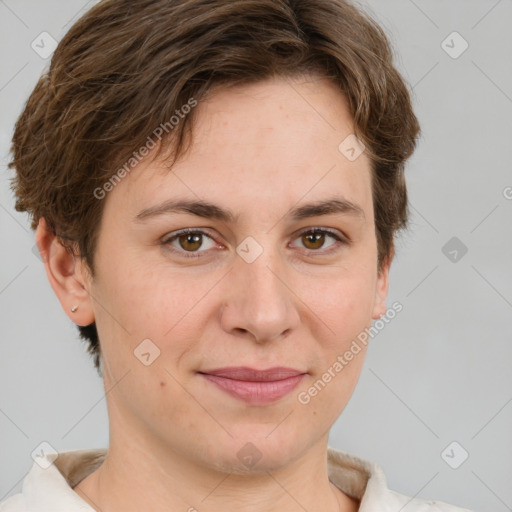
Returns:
<point x="140" y="478"/>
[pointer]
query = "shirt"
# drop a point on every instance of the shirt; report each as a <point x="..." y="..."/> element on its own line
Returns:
<point x="48" y="486"/>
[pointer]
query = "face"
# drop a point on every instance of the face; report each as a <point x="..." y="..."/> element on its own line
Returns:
<point x="263" y="280"/>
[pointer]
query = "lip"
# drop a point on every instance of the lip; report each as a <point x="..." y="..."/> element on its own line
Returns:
<point x="247" y="373"/>
<point x="255" y="386"/>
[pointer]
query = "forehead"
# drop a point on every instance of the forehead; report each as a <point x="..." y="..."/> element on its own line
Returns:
<point x="260" y="147"/>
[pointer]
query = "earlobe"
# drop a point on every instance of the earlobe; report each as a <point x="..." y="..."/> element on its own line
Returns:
<point x="67" y="276"/>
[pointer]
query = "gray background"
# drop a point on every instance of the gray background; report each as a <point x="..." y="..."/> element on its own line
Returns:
<point x="438" y="373"/>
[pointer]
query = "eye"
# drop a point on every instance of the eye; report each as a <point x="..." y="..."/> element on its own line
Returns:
<point x="314" y="239"/>
<point x="189" y="241"/>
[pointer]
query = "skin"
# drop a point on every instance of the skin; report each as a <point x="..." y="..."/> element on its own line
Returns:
<point x="259" y="150"/>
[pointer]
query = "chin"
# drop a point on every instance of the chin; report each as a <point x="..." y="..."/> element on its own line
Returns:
<point x="255" y="452"/>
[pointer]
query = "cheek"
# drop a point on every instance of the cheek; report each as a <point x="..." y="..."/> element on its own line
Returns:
<point x="344" y="303"/>
<point x="348" y="307"/>
<point x="144" y="301"/>
<point x="167" y="308"/>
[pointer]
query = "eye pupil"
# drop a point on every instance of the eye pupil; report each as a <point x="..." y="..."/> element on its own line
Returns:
<point x="194" y="239"/>
<point x="315" y="238"/>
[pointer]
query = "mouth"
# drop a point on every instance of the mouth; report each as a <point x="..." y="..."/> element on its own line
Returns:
<point x="257" y="387"/>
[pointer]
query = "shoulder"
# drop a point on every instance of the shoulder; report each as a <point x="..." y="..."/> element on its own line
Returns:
<point x="14" y="503"/>
<point x="365" y="480"/>
<point x="49" y="483"/>
<point x="409" y="504"/>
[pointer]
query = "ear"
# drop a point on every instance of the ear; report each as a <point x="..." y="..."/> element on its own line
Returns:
<point x="67" y="275"/>
<point x="381" y="290"/>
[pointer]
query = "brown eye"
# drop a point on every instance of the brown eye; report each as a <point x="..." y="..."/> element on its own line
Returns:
<point x="187" y="243"/>
<point x="315" y="239"/>
<point x="190" y="242"/>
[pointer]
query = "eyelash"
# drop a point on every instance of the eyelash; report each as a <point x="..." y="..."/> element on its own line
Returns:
<point x="197" y="254"/>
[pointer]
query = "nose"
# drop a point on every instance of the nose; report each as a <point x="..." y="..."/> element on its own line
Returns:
<point x="259" y="299"/>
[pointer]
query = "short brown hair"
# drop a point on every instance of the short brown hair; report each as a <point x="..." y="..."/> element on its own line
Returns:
<point x="125" y="68"/>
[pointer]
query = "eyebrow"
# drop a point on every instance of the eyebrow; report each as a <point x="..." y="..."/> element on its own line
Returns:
<point x="208" y="210"/>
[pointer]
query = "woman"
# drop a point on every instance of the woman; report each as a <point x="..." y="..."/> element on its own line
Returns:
<point x="215" y="188"/>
